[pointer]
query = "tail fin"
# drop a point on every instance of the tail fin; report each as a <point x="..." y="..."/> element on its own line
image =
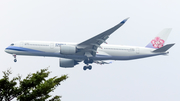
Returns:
<point x="164" y="48"/>
<point x="160" y="39"/>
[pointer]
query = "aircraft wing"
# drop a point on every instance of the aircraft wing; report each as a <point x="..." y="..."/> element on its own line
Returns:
<point x="89" y="47"/>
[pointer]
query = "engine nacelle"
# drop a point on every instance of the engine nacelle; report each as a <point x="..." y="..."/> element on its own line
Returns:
<point x="67" y="50"/>
<point x="67" y="63"/>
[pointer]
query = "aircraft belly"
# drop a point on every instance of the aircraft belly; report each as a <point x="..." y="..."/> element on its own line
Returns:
<point x="18" y="52"/>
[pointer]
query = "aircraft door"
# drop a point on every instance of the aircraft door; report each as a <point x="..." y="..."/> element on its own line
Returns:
<point x="21" y="44"/>
<point x="137" y="50"/>
<point x="51" y="45"/>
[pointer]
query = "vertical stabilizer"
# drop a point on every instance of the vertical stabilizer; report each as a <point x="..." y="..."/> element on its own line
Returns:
<point x="160" y="39"/>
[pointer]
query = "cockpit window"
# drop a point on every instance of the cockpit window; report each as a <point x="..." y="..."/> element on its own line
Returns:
<point x="12" y="44"/>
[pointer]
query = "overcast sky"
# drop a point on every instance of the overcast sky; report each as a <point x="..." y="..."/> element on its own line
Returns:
<point x="149" y="79"/>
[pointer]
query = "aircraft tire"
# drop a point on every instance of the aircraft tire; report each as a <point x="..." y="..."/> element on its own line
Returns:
<point x="15" y="60"/>
<point x="84" y="68"/>
<point x="90" y="67"/>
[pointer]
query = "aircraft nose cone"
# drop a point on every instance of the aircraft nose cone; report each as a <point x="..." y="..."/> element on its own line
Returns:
<point x="6" y="50"/>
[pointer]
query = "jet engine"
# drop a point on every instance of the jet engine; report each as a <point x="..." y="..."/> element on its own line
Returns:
<point x="67" y="50"/>
<point x="67" y="63"/>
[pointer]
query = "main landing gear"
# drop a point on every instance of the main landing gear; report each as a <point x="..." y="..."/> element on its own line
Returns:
<point x="14" y="55"/>
<point x="87" y="62"/>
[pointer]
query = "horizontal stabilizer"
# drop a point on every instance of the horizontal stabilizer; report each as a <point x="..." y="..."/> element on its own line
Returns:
<point x="164" y="48"/>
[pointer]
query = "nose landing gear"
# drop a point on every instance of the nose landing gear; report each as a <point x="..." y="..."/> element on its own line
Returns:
<point x="14" y="55"/>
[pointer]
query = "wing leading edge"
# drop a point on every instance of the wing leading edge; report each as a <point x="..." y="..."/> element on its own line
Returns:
<point x="89" y="47"/>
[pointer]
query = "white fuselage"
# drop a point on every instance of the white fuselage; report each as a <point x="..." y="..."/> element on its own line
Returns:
<point x="105" y="52"/>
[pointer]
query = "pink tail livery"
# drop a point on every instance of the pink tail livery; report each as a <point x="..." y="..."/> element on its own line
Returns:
<point x="160" y="39"/>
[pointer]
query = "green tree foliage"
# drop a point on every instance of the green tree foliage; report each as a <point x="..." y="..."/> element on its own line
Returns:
<point x="35" y="87"/>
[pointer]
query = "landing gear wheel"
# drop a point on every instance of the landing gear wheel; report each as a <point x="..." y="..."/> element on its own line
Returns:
<point x="84" y="68"/>
<point x="89" y="67"/>
<point x="15" y="60"/>
<point x="14" y="55"/>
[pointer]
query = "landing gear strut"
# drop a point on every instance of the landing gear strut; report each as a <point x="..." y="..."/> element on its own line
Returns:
<point x="14" y="55"/>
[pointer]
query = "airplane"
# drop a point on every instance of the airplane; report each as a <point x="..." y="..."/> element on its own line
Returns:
<point x="92" y="50"/>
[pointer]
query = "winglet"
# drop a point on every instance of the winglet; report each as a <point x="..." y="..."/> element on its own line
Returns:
<point x="124" y="20"/>
<point x="164" y="48"/>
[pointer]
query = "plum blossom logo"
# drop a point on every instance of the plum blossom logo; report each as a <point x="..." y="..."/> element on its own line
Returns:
<point x="157" y="42"/>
